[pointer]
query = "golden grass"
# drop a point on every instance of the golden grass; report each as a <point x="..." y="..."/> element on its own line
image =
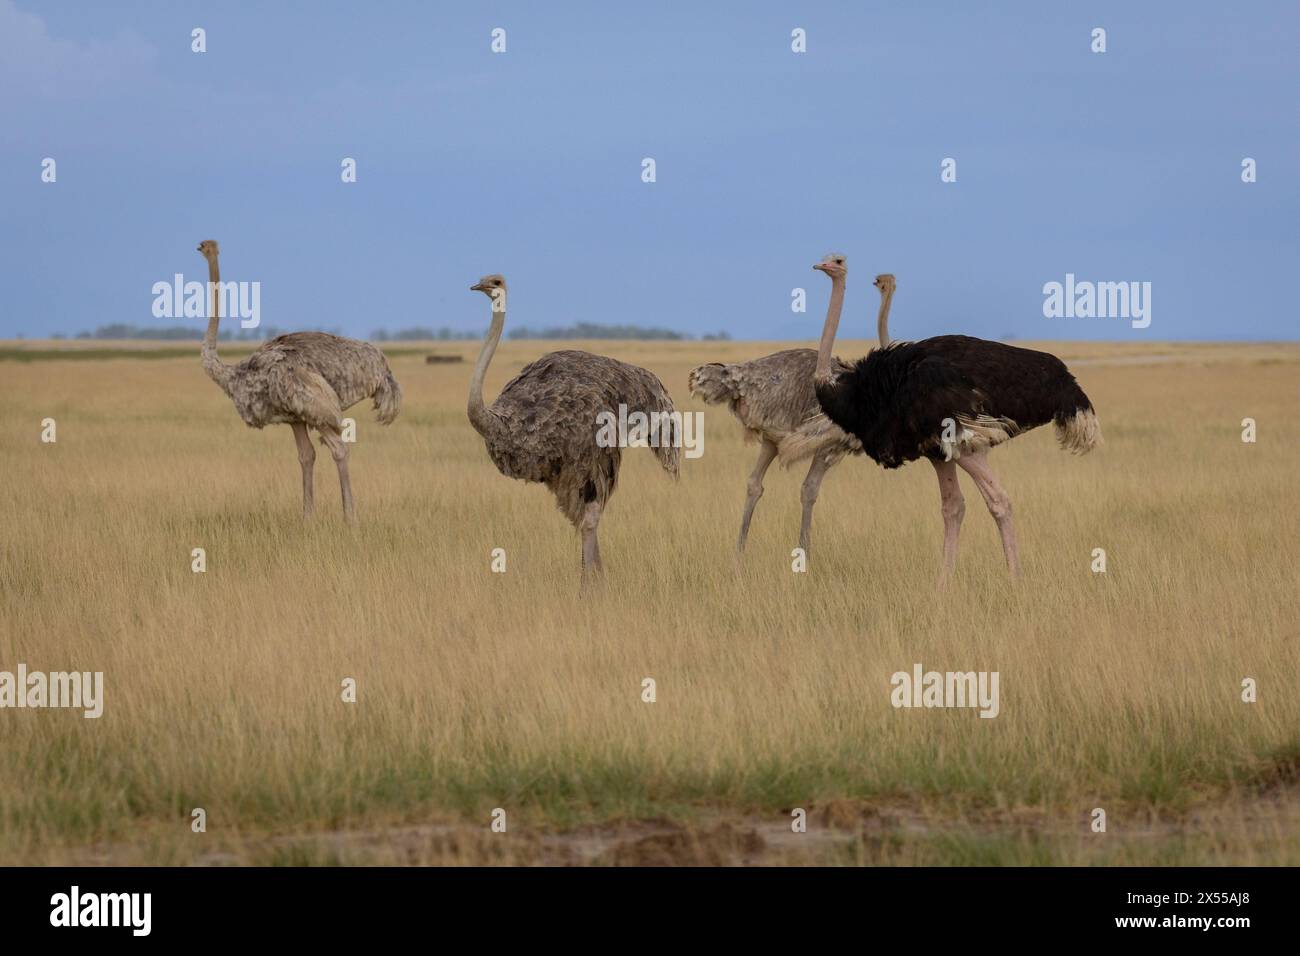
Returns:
<point x="481" y="690"/>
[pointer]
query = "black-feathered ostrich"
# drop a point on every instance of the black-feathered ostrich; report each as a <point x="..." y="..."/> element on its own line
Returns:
<point x="544" y="425"/>
<point x="949" y="399"/>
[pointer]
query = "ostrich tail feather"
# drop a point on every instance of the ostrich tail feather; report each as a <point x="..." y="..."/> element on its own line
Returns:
<point x="388" y="399"/>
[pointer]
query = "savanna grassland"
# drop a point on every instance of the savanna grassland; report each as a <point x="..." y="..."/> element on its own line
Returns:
<point x="478" y="690"/>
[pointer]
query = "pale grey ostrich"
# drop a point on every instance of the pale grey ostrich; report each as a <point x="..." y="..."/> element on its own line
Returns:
<point x="305" y="380"/>
<point x="773" y="397"/>
<point x="544" y="425"/>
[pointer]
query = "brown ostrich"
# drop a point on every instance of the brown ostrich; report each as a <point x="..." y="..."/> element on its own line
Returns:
<point x="544" y="426"/>
<point x="304" y="380"/>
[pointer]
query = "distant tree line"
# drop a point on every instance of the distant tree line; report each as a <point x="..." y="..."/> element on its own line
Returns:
<point x="174" y="333"/>
<point x="592" y="330"/>
<point x="580" y="330"/>
<point x="421" y="334"/>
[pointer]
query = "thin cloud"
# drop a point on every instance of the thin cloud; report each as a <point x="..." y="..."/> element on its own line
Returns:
<point x="35" y="64"/>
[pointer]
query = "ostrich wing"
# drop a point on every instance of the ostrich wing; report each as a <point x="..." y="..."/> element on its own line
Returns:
<point x="302" y="394"/>
<point x="549" y="414"/>
<point x="353" y="369"/>
<point x="895" y="400"/>
<point x="935" y="393"/>
<point x="775" y="391"/>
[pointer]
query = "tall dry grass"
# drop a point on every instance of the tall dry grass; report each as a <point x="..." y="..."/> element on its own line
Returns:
<point x="480" y="690"/>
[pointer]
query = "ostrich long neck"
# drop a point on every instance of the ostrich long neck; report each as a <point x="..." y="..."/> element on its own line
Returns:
<point x="479" y="415"/>
<point x="217" y="370"/>
<point x="823" y="371"/>
<point x="882" y="320"/>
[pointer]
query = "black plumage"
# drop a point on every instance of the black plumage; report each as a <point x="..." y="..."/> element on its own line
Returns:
<point x="948" y="399"/>
<point x="895" y="400"/>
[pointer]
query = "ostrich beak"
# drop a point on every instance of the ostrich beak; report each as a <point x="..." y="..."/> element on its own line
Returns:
<point x="476" y="287"/>
<point x="820" y="267"/>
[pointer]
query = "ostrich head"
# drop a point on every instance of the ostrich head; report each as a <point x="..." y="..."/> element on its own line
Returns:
<point x="885" y="283"/>
<point x="209" y="249"/>
<point x="489" y="284"/>
<point x="494" y="287"/>
<point x="833" y="265"/>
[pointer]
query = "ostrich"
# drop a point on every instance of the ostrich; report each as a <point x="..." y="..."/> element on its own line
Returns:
<point x="949" y="399"/>
<point x="305" y="380"/>
<point x="773" y="398"/>
<point x="544" y="425"/>
<point x="885" y="284"/>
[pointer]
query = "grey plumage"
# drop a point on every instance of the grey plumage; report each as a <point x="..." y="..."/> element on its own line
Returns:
<point x="305" y="380"/>
<point x="773" y="398"/>
<point x="543" y="427"/>
<point x="311" y="377"/>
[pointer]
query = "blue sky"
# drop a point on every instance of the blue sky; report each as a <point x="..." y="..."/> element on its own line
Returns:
<point x="1122" y="166"/>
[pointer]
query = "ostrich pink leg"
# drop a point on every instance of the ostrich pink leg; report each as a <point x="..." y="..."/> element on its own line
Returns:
<point x="306" y="458"/>
<point x="954" y="508"/>
<point x="754" y="490"/>
<point x="590" y="546"/>
<point x="808" y="496"/>
<point x="339" y="450"/>
<point x="999" y="503"/>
